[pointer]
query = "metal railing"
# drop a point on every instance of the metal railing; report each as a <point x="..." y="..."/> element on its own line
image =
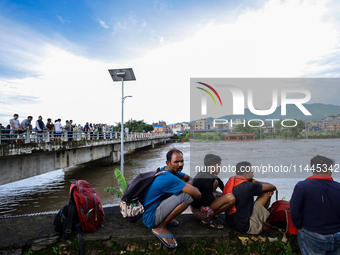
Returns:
<point x="32" y="136"/>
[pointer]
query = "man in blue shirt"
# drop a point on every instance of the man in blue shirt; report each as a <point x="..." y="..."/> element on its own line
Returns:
<point x="315" y="209"/>
<point x="167" y="197"/>
<point x="26" y="123"/>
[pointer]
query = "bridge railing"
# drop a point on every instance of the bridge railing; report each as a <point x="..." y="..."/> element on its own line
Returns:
<point x="49" y="136"/>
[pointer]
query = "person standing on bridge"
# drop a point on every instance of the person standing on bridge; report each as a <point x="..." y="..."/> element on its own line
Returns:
<point x="58" y="129"/>
<point x="15" y="126"/>
<point x="70" y="136"/>
<point x="86" y="129"/>
<point x="69" y="130"/>
<point x="167" y="197"/>
<point x="40" y="126"/>
<point x="91" y="131"/>
<point x="26" y="124"/>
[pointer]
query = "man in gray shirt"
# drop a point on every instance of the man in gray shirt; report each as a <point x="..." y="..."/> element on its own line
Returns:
<point x="15" y="125"/>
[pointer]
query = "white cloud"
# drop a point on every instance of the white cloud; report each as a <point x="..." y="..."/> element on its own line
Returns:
<point x="276" y="41"/>
<point x="130" y="24"/>
<point x="62" y="19"/>
<point x="103" y="24"/>
<point x="279" y="40"/>
<point x="160" y="6"/>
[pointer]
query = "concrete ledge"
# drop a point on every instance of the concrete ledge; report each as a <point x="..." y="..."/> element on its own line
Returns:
<point x="117" y="235"/>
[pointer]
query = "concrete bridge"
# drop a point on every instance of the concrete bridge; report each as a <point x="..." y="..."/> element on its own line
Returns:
<point x="24" y="160"/>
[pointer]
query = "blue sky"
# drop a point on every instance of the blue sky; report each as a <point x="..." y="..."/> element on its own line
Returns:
<point x="54" y="55"/>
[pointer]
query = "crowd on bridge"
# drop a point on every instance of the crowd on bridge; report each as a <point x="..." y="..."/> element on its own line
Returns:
<point x="14" y="130"/>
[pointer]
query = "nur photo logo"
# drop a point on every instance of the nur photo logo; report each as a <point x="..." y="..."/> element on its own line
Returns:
<point x="245" y="97"/>
<point x="204" y="99"/>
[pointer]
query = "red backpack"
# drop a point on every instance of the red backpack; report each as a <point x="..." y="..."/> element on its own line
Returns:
<point x="280" y="216"/>
<point x="89" y="207"/>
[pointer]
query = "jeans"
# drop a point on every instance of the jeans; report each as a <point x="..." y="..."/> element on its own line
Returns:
<point x="313" y="243"/>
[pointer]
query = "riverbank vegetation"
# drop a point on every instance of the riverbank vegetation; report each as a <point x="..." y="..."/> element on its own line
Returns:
<point x="280" y="132"/>
<point x="134" y="126"/>
<point x="209" y="136"/>
<point x="185" y="137"/>
<point x="122" y="185"/>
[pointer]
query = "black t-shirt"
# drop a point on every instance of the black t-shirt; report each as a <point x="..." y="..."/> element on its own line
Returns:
<point x="204" y="181"/>
<point x="244" y="195"/>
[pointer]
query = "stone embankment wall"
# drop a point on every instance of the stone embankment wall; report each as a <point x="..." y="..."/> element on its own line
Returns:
<point x="35" y="235"/>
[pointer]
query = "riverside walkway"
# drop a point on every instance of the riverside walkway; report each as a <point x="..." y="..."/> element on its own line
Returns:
<point x="118" y="236"/>
<point x="23" y="160"/>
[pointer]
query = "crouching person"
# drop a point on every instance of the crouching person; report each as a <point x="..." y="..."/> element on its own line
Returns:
<point x="208" y="206"/>
<point x="167" y="197"/>
<point x="246" y="215"/>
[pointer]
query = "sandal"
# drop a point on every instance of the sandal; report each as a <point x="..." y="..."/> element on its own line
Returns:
<point x="211" y="224"/>
<point x="173" y="222"/>
<point x="170" y="236"/>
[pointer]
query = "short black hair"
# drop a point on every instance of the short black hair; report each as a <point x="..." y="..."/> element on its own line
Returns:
<point x="15" y="114"/>
<point x="30" y="117"/>
<point x="48" y="119"/>
<point x="211" y="159"/>
<point x="243" y="167"/>
<point x="321" y="165"/>
<point x="170" y="152"/>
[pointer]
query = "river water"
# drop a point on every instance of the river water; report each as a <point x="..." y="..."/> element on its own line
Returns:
<point x="49" y="192"/>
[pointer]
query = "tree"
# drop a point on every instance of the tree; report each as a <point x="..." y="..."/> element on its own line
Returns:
<point x="138" y="126"/>
<point x="290" y="131"/>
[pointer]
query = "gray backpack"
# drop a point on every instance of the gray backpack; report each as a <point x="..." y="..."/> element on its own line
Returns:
<point x="131" y="205"/>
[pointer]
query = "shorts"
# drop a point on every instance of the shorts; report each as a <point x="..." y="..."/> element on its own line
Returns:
<point x="57" y="134"/>
<point x="203" y="212"/>
<point x="259" y="216"/>
<point x="169" y="204"/>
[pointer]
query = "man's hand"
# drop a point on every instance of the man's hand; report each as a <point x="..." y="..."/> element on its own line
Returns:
<point x="188" y="180"/>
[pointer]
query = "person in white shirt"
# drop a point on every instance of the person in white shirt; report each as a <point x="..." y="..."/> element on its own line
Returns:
<point x="58" y="129"/>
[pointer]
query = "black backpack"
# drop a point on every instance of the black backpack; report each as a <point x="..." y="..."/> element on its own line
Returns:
<point x="67" y="220"/>
<point x="132" y="204"/>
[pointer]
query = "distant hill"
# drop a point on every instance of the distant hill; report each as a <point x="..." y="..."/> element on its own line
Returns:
<point x="318" y="111"/>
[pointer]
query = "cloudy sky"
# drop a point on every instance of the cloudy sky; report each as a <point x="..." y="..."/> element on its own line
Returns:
<point x="55" y="55"/>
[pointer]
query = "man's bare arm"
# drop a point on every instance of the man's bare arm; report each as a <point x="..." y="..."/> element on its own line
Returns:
<point x="267" y="186"/>
<point x="192" y="191"/>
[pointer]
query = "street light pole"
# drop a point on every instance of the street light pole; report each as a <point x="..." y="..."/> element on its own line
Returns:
<point x="125" y="74"/>
<point x="122" y="132"/>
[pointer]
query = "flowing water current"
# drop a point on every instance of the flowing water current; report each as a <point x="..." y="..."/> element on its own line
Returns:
<point x="49" y="192"/>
